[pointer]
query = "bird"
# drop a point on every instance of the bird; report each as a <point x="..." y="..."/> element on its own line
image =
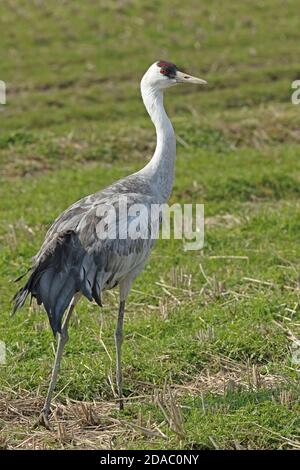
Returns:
<point x="76" y="259"/>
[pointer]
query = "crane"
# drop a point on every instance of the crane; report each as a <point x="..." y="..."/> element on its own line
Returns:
<point x="75" y="260"/>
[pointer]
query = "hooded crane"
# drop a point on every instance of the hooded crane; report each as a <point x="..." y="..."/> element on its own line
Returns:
<point x="76" y="260"/>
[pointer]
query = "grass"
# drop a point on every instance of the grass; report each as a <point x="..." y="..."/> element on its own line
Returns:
<point x="210" y="356"/>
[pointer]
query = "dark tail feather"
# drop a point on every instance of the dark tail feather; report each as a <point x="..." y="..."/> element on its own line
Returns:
<point x="64" y="270"/>
<point x="22" y="275"/>
<point x="19" y="299"/>
<point x="21" y="296"/>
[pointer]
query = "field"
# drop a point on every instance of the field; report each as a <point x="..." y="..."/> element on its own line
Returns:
<point x="211" y="355"/>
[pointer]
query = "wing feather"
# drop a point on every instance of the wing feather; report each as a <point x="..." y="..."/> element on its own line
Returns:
<point x="76" y="256"/>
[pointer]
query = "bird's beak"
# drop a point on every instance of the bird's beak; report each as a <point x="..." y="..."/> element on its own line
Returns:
<point x="185" y="78"/>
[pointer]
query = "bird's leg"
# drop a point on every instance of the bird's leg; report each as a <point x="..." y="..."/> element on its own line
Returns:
<point x="62" y="340"/>
<point x="118" y="342"/>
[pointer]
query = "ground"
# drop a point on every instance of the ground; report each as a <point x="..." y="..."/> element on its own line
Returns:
<point x="211" y="351"/>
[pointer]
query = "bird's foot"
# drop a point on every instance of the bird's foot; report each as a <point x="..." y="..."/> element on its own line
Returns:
<point x="43" y="419"/>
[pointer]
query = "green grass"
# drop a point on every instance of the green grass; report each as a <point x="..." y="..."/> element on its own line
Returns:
<point x="196" y="323"/>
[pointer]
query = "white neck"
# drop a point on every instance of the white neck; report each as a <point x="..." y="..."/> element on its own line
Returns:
<point x="160" y="169"/>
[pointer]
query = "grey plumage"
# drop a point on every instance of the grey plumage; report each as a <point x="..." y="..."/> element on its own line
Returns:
<point x="74" y="259"/>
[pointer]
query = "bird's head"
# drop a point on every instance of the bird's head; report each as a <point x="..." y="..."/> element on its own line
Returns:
<point x="163" y="74"/>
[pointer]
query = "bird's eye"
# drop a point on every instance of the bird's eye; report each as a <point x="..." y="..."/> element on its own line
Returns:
<point x="167" y="68"/>
<point x="164" y="71"/>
